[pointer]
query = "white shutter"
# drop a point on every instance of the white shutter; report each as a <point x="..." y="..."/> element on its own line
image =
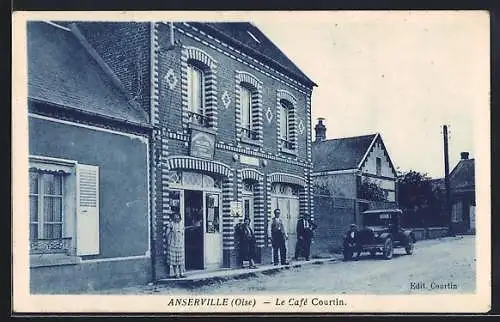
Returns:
<point x="87" y="216"/>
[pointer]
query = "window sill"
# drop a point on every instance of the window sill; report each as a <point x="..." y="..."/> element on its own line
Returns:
<point x="46" y="260"/>
<point x="194" y="126"/>
<point x="251" y="141"/>
<point x="288" y="151"/>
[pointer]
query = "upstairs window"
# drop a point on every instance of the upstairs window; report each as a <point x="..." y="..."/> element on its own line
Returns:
<point x="196" y="95"/>
<point x="198" y="89"/>
<point x="379" y="166"/>
<point x="285" y="135"/>
<point x="246" y="112"/>
<point x="249" y="122"/>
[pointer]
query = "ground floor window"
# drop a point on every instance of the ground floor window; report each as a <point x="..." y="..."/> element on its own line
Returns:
<point x="456" y="212"/>
<point x="64" y="207"/>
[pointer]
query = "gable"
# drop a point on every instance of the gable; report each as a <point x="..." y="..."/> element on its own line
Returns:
<point x="369" y="164"/>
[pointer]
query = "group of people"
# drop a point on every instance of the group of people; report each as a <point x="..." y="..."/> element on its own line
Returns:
<point x="279" y="236"/>
<point x="245" y="239"/>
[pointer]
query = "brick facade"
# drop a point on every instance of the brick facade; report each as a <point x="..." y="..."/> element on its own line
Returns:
<point x="160" y="84"/>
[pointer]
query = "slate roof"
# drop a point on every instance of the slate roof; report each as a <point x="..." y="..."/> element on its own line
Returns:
<point x="341" y="153"/>
<point x="265" y="49"/>
<point x="462" y="177"/>
<point x="61" y="71"/>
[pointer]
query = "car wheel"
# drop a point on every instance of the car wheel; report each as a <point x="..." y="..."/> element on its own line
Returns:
<point x="409" y="247"/>
<point x="388" y="248"/>
<point x="373" y="252"/>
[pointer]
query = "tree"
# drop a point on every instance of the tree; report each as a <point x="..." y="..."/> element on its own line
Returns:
<point x="371" y="191"/>
<point x="419" y="199"/>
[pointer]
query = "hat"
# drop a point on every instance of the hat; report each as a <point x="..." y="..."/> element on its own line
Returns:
<point x="353" y="226"/>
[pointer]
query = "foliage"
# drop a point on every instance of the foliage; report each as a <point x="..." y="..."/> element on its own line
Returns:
<point x="371" y="191"/>
<point x="421" y="200"/>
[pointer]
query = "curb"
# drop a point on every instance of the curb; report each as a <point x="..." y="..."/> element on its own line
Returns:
<point x="194" y="282"/>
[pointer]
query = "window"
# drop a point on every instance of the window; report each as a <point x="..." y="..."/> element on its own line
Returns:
<point x="285" y="111"/>
<point x="64" y="207"/>
<point x="456" y="212"/>
<point x="249" y="122"/>
<point x="246" y="112"/>
<point x="379" y="166"/>
<point x="46" y="205"/>
<point x="196" y="95"/>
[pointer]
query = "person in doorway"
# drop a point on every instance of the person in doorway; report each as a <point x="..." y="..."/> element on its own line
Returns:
<point x="351" y="241"/>
<point x="175" y="243"/>
<point x="278" y="238"/>
<point x="305" y="231"/>
<point x="247" y="244"/>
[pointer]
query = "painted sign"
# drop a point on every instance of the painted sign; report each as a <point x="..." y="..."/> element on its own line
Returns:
<point x="249" y="160"/>
<point x="202" y="145"/>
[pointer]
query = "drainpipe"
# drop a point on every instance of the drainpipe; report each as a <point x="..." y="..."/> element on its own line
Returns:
<point x="152" y="162"/>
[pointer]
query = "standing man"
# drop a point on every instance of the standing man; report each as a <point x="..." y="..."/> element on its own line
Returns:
<point x="278" y="238"/>
<point x="305" y="231"/>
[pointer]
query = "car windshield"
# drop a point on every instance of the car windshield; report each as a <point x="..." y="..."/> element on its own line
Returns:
<point x="381" y="219"/>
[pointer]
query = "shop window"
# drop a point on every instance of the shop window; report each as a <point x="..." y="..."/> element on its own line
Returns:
<point x="213" y="213"/>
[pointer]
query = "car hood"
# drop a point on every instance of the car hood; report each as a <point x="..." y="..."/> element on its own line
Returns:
<point x="376" y="229"/>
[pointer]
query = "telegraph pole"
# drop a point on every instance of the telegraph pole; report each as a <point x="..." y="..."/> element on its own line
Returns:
<point x="447" y="180"/>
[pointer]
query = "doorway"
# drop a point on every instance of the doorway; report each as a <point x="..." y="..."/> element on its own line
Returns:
<point x="286" y="198"/>
<point x="193" y="229"/>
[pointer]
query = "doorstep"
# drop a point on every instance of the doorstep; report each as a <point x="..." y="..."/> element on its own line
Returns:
<point x="198" y="278"/>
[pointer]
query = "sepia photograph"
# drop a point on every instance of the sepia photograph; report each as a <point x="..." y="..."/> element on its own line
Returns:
<point x="330" y="161"/>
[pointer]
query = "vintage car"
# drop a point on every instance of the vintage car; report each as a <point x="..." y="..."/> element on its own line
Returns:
<point x="381" y="232"/>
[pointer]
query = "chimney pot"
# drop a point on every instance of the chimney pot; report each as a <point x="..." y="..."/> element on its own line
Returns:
<point x="464" y="155"/>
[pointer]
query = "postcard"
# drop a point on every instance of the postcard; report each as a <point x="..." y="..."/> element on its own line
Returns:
<point x="201" y="162"/>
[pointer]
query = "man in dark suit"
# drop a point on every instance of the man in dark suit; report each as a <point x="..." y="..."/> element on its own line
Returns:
<point x="278" y="238"/>
<point x="351" y="241"/>
<point x="305" y="231"/>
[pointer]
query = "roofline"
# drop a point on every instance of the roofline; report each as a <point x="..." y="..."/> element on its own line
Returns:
<point x="345" y="137"/>
<point x="456" y="166"/>
<point x="300" y="78"/>
<point x="368" y="150"/>
<point x="89" y="113"/>
<point x="103" y="65"/>
<point x="378" y="135"/>
<point x="329" y="172"/>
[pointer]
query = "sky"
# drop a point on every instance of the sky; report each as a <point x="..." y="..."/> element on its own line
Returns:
<point x="402" y="74"/>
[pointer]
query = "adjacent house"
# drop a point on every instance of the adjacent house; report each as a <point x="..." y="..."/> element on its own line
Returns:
<point x="231" y="119"/>
<point x="462" y="194"/>
<point x="88" y="169"/>
<point x="350" y="175"/>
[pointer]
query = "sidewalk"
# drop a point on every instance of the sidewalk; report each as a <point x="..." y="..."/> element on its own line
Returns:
<point x="199" y="278"/>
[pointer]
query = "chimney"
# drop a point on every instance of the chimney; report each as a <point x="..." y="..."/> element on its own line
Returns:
<point x="464" y="155"/>
<point x="320" y="129"/>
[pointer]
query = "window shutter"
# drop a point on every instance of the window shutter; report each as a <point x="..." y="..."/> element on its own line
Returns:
<point x="87" y="217"/>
